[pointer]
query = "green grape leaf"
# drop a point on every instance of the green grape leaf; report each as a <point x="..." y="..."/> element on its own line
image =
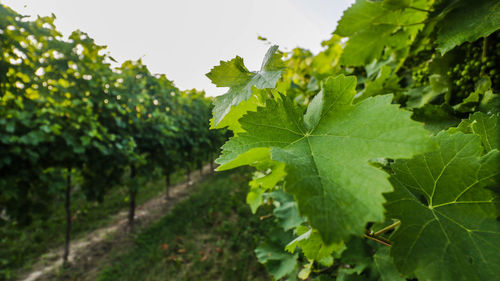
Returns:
<point x="357" y="256"/>
<point x="469" y="104"/>
<point x="398" y="3"/>
<point x="313" y="247"/>
<point x="254" y="198"/>
<point x="385" y="266"/>
<point x="287" y="213"/>
<point x="469" y="21"/>
<point x="383" y="83"/>
<point x="487" y="127"/>
<point x="327" y="153"/>
<point x="418" y="97"/>
<point x="490" y="103"/>
<point x="391" y="25"/>
<point x="278" y="262"/>
<point x="449" y="228"/>
<point x="357" y="23"/>
<point x="436" y="117"/>
<point x="263" y="182"/>
<point x="361" y="15"/>
<point x="361" y="50"/>
<point x="230" y="121"/>
<point x="240" y="80"/>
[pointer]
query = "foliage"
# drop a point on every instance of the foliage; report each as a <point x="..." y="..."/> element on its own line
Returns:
<point x="65" y="112"/>
<point x="448" y="216"/>
<point x="341" y="133"/>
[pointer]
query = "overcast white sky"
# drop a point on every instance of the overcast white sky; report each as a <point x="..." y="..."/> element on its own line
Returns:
<point x="185" y="38"/>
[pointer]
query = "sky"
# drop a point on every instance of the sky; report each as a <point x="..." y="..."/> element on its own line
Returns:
<point x="185" y="38"/>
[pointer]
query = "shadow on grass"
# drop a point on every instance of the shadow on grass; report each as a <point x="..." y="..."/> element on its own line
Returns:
<point x="209" y="236"/>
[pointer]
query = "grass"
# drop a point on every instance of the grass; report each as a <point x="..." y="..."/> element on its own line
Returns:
<point x="209" y="236"/>
<point x="20" y="247"/>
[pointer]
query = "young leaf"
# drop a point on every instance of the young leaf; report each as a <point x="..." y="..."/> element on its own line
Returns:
<point x="240" y="80"/>
<point x="313" y="247"/>
<point x="263" y="182"/>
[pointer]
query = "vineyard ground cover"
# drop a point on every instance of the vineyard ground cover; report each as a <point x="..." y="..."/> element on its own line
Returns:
<point x="209" y="236"/>
<point x="39" y="244"/>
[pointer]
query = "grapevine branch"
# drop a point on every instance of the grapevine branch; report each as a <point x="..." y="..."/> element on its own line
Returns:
<point x="485" y="45"/>
<point x="323" y="269"/>
<point x="378" y="239"/>
<point x="375" y="236"/>
<point x="265" y="217"/>
<point x="387" y="228"/>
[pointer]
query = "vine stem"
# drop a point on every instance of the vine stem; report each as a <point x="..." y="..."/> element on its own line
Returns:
<point x="322" y="270"/>
<point x="387" y="228"/>
<point x="375" y="236"/>
<point x="483" y="53"/>
<point x="485" y="45"/>
<point x="265" y="217"/>
<point x="378" y="240"/>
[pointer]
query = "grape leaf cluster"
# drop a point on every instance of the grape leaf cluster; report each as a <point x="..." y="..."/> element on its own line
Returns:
<point x="371" y="194"/>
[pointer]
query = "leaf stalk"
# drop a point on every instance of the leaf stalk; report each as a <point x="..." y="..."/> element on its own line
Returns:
<point x="378" y="240"/>
<point x="387" y="228"/>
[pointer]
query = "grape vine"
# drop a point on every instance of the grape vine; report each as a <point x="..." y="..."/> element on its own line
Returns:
<point x="70" y="122"/>
<point x="380" y="154"/>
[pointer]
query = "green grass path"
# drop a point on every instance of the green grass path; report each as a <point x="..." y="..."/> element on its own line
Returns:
<point x="210" y="235"/>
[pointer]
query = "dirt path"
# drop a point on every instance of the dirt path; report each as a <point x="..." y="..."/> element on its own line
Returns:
<point x="89" y="254"/>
